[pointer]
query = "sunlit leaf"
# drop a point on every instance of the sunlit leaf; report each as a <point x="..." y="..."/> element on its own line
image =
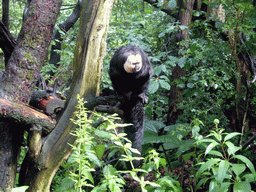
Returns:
<point x="153" y="87"/>
<point x="223" y="168"/>
<point x="238" y="168"/>
<point x="207" y="165"/>
<point x="243" y="186"/>
<point x="231" y="135"/>
<point x="246" y="161"/>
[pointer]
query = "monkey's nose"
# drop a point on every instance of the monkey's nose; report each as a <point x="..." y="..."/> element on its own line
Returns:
<point x="136" y="68"/>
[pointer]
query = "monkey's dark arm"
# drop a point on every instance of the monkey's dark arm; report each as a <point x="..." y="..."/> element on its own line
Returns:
<point x="145" y="86"/>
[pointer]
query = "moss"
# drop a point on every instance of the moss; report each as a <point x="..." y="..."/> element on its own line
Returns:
<point x="31" y="43"/>
<point x="30" y="75"/>
<point x="28" y="56"/>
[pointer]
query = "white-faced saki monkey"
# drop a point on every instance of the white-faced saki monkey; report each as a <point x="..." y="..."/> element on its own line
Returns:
<point x="130" y="72"/>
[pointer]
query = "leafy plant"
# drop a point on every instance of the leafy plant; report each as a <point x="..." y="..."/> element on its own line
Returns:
<point x="174" y="137"/>
<point x="167" y="184"/>
<point x="223" y="168"/>
<point x="91" y="146"/>
<point x="111" y="180"/>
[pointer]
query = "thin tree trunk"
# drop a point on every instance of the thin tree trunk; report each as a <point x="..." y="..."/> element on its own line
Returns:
<point x="184" y="16"/>
<point x="5" y="13"/>
<point x="7" y="42"/>
<point x="65" y="26"/>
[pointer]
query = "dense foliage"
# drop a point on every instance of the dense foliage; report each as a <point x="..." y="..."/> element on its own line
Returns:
<point x="195" y="153"/>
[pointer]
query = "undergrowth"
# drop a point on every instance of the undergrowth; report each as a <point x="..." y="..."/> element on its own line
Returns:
<point x="91" y="167"/>
<point x="102" y="159"/>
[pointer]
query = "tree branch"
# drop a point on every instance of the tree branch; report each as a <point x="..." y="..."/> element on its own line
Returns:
<point x="7" y="42"/>
<point x="25" y="115"/>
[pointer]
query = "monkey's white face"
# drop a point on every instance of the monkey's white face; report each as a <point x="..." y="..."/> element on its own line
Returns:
<point x="133" y="63"/>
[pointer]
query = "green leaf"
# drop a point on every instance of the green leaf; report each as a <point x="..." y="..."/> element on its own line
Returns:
<point x="182" y="62"/>
<point x="231" y="135"/>
<point x="179" y="130"/>
<point x="225" y="186"/>
<point x="231" y="148"/>
<point x="183" y="27"/>
<point x="103" y="134"/>
<point x="213" y="186"/>
<point x="197" y="14"/>
<point x="201" y="182"/>
<point x="238" y="168"/>
<point x="153" y="87"/>
<point x="246" y="161"/>
<point x="243" y="186"/>
<point x="170" y="141"/>
<point x="172" y="4"/>
<point x="185" y="146"/>
<point x="164" y="84"/>
<point x="118" y="143"/>
<point x="210" y="147"/>
<point x="217" y="153"/>
<point x="100" y="149"/>
<point x="207" y="140"/>
<point x="88" y="175"/>
<point x="249" y="177"/>
<point x="66" y="184"/>
<point x="193" y="48"/>
<point x="172" y="58"/>
<point x="93" y="158"/>
<point x="187" y="156"/>
<point x="207" y="165"/>
<point x="223" y="167"/>
<point x="133" y="150"/>
<point x="101" y="188"/>
<point x="109" y="171"/>
<point x="154" y="126"/>
<point x="190" y="85"/>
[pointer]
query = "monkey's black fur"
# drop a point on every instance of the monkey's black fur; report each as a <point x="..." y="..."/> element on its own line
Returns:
<point x="132" y="88"/>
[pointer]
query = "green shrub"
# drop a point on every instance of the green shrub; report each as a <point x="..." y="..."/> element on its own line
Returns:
<point x="223" y="169"/>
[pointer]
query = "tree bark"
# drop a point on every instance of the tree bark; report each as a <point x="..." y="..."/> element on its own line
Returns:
<point x="176" y="96"/>
<point x="5" y="13"/>
<point x="25" y="115"/>
<point x="21" y="72"/>
<point x="11" y="138"/>
<point x="89" y="53"/>
<point x="7" y="42"/>
<point x="20" y="76"/>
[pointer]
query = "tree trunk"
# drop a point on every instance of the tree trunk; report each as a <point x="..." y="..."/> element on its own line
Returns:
<point x="65" y="26"/>
<point x="5" y="13"/>
<point x="11" y="138"/>
<point x="184" y="16"/>
<point x="23" y="68"/>
<point x="89" y="54"/>
<point x="7" y="42"/>
<point x="20" y="76"/>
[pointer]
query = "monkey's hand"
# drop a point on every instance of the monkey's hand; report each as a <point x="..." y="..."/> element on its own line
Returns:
<point x="143" y="98"/>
